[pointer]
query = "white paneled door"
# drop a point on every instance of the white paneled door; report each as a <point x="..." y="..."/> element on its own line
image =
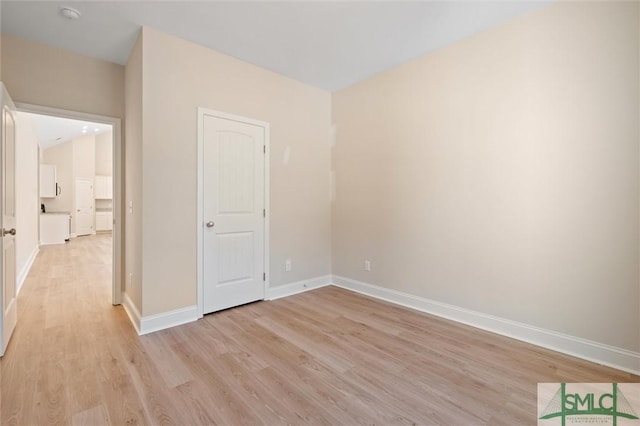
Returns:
<point x="9" y="301"/>
<point x="84" y="207"/>
<point x="233" y="203"/>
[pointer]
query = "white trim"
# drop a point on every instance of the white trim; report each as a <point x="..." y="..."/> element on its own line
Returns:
<point x="169" y="319"/>
<point x="22" y="275"/>
<point x="83" y="235"/>
<point x="276" y="292"/>
<point x="132" y="312"/>
<point x="116" y="284"/>
<point x="157" y="322"/>
<point x="117" y="247"/>
<point x="267" y="204"/>
<point x="199" y="214"/>
<point x="610" y="356"/>
<point x="200" y="177"/>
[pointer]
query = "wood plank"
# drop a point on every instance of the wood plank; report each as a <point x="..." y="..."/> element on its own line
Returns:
<point x="327" y="356"/>
<point x="172" y="371"/>
<point x="95" y="416"/>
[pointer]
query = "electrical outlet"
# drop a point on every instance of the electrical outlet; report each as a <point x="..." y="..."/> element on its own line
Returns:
<point x="287" y="265"/>
<point x="130" y="279"/>
<point x="367" y="265"/>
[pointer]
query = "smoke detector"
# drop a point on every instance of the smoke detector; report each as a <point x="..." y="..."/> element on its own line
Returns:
<point x="70" y="13"/>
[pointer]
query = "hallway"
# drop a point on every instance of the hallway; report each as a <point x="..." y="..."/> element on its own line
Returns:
<point x="67" y="330"/>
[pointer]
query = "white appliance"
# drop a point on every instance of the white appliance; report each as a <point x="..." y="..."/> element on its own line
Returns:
<point x="54" y="227"/>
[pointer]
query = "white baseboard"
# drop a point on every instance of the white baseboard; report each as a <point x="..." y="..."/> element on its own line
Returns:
<point x="610" y="356"/>
<point x="158" y="322"/>
<point x="132" y="311"/>
<point x="74" y="235"/>
<point x="297" y="287"/>
<point x="24" y="271"/>
<point x="151" y="323"/>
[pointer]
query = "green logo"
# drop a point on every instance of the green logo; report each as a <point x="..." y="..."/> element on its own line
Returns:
<point x="613" y="404"/>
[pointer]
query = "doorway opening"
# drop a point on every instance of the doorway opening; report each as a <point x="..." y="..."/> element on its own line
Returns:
<point x="79" y="175"/>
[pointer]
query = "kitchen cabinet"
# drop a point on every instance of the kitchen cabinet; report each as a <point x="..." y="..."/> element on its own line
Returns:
<point x="104" y="221"/>
<point x="103" y="187"/>
<point x="48" y="181"/>
<point x="54" y="228"/>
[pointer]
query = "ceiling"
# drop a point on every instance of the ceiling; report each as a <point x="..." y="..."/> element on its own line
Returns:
<point x="327" y="44"/>
<point x="56" y="130"/>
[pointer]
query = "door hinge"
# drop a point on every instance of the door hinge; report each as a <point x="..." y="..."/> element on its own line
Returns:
<point x="264" y="212"/>
<point x="264" y="276"/>
<point x="264" y="149"/>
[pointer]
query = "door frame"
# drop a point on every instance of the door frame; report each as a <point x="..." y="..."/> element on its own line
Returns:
<point x="202" y="112"/>
<point x="117" y="248"/>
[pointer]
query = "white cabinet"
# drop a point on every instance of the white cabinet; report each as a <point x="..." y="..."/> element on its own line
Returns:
<point x="103" y="187"/>
<point x="48" y="181"/>
<point x="104" y="221"/>
<point x="54" y="228"/>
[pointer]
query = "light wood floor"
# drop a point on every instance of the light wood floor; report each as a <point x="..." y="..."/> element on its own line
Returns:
<point x="323" y="357"/>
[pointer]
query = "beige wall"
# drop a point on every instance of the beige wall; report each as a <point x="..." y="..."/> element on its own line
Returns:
<point x="500" y="174"/>
<point x="47" y="76"/>
<point x="179" y="77"/>
<point x="133" y="176"/>
<point x="104" y="154"/>
<point x="84" y="157"/>
<point x="27" y="206"/>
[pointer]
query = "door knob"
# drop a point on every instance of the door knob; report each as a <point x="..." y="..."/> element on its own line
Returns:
<point x="210" y="224"/>
<point x="11" y="231"/>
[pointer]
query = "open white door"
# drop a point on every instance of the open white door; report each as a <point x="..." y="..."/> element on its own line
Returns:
<point x="233" y="211"/>
<point x="84" y="207"/>
<point x="8" y="299"/>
